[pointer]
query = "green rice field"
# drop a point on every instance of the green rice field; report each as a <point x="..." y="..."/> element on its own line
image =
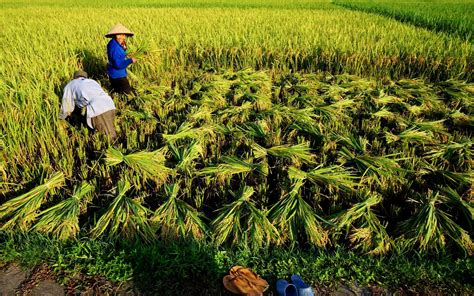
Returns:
<point x="278" y="123"/>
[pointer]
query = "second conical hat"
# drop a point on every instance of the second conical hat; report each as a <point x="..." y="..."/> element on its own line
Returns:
<point x="119" y="29"/>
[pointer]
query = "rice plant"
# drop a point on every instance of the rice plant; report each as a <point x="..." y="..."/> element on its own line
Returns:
<point x="446" y="16"/>
<point x="267" y="129"/>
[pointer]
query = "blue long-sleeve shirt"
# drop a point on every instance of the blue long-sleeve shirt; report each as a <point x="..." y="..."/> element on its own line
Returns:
<point x="118" y="62"/>
<point x="83" y="92"/>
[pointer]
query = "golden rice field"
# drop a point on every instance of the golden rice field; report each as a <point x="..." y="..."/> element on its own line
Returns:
<point x="278" y="123"/>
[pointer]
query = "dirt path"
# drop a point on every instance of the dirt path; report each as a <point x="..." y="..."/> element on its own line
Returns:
<point x="40" y="281"/>
<point x="36" y="282"/>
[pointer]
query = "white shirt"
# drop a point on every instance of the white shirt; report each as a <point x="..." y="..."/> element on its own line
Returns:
<point x="87" y="93"/>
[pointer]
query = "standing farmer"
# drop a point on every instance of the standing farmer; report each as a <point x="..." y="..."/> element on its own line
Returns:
<point x="100" y="109"/>
<point x="118" y="61"/>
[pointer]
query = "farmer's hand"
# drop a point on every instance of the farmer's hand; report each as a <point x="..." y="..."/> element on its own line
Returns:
<point x="134" y="60"/>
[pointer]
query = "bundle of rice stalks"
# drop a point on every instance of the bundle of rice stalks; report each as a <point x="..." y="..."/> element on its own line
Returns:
<point x="242" y="222"/>
<point x="236" y="114"/>
<point x="311" y="129"/>
<point x="446" y="177"/>
<point x="459" y="93"/>
<point x="251" y="86"/>
<point x="186" y="156"/>
<point x="125" y="217"/>
<point x="148" y="165"/>
<point x="296" y="219"/>
<point x="212" y="93"/>
<point x="176" y="218"/>
<point x="140" y="50"/>
<point x="333" y="177"/>
<point x="23" y="210"/>
<point x="381" y="168"/>
<point x="461" y="119"/>
<point x="436" y="127"/>
<point x="411" y="135"/>
<point x="138" y="116"/>
<point x="431" y="227"/>
<point x="411" y="89"/>
<point x="457" y="156"/>
<point x="256" y="130"/>
<point x="461" y="205"/>
<point x="202" y="134"/>
<point x="299" y="153"/>
<point x="386" y="114"/>
<point x="383" y="99"/>
<point x="62" y="220"/>
<point x="202" y="113"/>
<point x="232" y="165"/>
<point x="366" y="230"/>
<point x="334" y="112"/>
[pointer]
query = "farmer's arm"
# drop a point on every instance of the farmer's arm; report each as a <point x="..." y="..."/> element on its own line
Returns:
<point x="68" y="104"/>
<point x="117" y="61"/>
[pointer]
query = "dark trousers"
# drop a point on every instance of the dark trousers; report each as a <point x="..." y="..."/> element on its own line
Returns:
<point x="121" y="86"/>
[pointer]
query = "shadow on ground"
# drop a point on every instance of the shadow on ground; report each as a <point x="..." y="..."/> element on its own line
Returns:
<point x="174" y="269"/>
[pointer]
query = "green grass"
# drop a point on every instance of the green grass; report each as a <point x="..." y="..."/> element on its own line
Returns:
<point x="196" y="267"/>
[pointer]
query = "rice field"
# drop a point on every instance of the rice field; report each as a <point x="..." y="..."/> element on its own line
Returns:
<point x="452" y="17"/>
<point x="279" y="123"/>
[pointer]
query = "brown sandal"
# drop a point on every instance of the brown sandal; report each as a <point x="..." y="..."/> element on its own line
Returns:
<point x="241" y="285"/>
<point x="249" y="274"/>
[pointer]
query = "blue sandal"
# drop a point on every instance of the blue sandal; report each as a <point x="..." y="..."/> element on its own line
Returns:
<point x="286" y="289"/>
<point x="303" y="288"/>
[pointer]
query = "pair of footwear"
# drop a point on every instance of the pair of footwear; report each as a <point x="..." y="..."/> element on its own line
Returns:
<point x="298" y="288"/>
<point x="244" y="281"/>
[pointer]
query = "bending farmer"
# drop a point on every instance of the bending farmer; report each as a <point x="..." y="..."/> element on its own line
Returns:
<point x="118" y="61"/>
<point x="100" y="109"/>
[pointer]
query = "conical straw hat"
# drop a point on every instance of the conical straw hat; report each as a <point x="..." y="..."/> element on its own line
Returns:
<point x="118" y="29"/>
